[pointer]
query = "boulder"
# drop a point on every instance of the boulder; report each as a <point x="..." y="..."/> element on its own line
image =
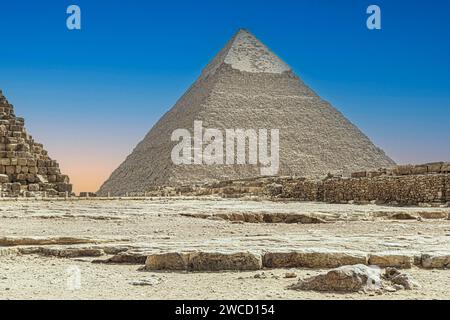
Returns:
<point x="344" y="279"/>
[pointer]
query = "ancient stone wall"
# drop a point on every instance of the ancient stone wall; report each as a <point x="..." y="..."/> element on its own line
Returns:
<point x="25" y="167"/>
<point x="402" y="185"/>
<point x="408" y="190"/>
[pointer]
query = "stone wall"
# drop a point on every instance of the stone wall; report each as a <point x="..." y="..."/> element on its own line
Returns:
<point x="25" y="167"/>
<point x="406" y="190"/>
<point x="402" y="185"/>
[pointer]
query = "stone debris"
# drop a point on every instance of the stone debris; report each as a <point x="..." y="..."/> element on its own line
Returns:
<point x="343" y="279"/>
<point x="26" y="170"/>
<point x="318" y="259"/>
<point x="401" y="280"/>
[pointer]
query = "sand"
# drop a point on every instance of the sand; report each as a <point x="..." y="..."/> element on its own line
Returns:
<point x="158" y="226"/>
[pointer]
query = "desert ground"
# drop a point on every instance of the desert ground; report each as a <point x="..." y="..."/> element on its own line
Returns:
<point x="97" y="249"/>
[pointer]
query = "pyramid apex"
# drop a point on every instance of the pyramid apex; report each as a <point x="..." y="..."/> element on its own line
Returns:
<point x="245" y="52"/>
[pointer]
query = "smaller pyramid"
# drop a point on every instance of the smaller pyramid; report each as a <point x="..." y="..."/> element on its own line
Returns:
<point x="25" y="167"/>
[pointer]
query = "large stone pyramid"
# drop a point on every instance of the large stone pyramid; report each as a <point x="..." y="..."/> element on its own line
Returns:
<point x="247" y="86"/>
<point x="25" y="167"/>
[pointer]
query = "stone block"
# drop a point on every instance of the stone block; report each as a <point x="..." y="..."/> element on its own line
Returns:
<point x="312" y="259"/>
<point x="4" y="178"/>
<point x="391" y="259"/>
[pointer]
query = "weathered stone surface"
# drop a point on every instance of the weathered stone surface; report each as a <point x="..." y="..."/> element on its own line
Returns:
<point x="433" y="215"/>
<point x="167" y="261"/>
<point x="344" y="279"/>
<point x="436" y="261"/>
<point x="127" y="257"/>
<point x="30" y="241"/>
<point x="62" y="252"/>
<point x="218" y="261"/>
<point x="304" y="259"/>
<point x="391" y="259"/>
<point x="403" y="216"/>
<point x="204" y="261"/>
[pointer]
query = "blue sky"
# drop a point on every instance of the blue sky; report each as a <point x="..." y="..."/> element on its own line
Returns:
<point x="95" y="93"/>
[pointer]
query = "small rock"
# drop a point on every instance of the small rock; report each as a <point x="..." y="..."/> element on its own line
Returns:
<point x="260" y="276"/>
<point x="290" y="275"/>
<point x="146" y="282"/>
<point x="399" y="279"/>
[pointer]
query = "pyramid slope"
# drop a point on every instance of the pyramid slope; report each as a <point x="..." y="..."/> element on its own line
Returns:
<point x="247" y="86"/>
<point x="25" y="167"/>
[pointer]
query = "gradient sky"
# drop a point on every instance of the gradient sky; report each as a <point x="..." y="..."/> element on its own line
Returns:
<point x="90" y="96"/>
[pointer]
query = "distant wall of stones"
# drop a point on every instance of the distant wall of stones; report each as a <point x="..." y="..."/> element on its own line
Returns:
<point x="403" y="185"/>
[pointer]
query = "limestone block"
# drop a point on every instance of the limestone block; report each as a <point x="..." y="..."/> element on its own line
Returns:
<point x="10" y="170"/>
<point x="33" y="187"/>
<point x="4" y="178"/>
<point x="218" y="261"/>
<point x="391" y="259"/>
<point x="319" y="259"/>
<point x="436" y="261"/>
<point x="53" y="171"/>
<point x="167" y="261"/>
<point x="15" y="187"/>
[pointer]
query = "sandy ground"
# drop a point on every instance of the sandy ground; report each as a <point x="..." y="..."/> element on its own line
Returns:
<point x="156" y="225"/>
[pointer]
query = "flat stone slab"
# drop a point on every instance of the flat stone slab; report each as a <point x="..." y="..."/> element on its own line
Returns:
<point x="204" y="261"/>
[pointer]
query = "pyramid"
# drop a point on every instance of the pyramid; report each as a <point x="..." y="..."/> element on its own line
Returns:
<point x="247" y="86"/>
<point x="25" y="167"/>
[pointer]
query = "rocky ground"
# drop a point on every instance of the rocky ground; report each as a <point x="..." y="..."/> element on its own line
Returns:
<point x="214" y="248"/>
